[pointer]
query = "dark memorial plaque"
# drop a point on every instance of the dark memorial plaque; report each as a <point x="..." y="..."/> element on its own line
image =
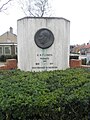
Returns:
<point x="44" y="38"/>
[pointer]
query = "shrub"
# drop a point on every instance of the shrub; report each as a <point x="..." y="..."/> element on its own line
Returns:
<point x="53" y="95"/>
<point x="88" y="63"/>
<point x="3" y="58"/>
<point x="84" y="61"/>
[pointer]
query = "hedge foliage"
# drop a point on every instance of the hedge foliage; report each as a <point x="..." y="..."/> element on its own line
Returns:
<point x="3" y="58"/>
<point x="53" y="95"/>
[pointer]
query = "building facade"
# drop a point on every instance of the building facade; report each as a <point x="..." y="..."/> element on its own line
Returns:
<point x="8" y="43"/>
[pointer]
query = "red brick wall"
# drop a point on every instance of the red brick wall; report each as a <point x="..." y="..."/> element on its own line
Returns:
<point x="10" y="64"/>
<point x="75" y="63"/>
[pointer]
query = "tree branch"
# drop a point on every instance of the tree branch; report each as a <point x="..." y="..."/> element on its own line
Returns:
<point x="4" y="5"/>
<point x="35" y="8"/>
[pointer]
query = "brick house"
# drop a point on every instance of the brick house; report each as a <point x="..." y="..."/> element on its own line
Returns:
<point x="85" y="50"/>
<point x="8" y="43"/>
<point x="77" y="48"/>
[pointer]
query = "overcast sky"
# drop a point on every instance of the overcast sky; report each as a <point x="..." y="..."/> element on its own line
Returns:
<point x="77" y="11"/>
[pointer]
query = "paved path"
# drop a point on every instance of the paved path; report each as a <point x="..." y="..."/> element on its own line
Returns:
<point x="2" y="63"/>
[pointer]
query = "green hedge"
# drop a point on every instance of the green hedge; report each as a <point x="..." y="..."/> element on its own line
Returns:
<point x="84" y="61"/>
<point x="54" y="95"/>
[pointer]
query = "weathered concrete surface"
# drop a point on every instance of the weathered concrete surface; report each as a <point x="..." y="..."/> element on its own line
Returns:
<point x="33" y="58"/>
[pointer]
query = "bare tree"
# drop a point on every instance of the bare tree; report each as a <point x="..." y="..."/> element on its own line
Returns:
<point x="36" y="8"/>
<point x="3" y="4"/>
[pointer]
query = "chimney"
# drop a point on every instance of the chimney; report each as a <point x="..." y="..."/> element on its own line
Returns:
<point x="11" y="30"/>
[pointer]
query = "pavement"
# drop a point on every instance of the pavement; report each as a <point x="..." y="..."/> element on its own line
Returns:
<point x="2" y="63"/>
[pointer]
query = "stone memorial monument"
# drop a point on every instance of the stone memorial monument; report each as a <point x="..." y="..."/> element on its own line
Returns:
<point x="43" y="43"/>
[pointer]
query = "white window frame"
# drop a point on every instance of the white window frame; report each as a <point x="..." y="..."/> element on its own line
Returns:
<point x="9" y="49"/>
<point x="15" y="50"/>
<point x="2" y="50"/>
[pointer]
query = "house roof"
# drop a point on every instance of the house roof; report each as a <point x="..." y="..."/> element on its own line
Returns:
<point x="86" y="46"/>
<point x="8" y="32"/>
<point x="77" y="48"/>
<point x="8" y="37"/>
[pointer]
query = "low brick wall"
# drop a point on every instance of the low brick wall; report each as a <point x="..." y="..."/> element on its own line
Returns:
<point x="85" y="66"/>
<point x="10" y="64"/>
<point x="75" y="63"/>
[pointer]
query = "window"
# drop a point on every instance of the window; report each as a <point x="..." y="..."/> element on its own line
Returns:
<point x="1" y="50"/>
<point x="7" y="50"/>
<point x="16" y="50"/>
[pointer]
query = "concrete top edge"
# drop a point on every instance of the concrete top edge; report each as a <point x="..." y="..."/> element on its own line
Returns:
<point x="43" y="18"/>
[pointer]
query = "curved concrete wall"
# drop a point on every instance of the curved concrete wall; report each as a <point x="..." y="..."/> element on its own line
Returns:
<point x="33" y="58"/>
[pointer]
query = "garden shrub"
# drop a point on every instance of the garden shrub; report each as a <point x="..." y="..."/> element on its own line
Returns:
<point x="88" y="63"/>
<point x="84" y="61"/>
<point x="53" y="95"/>
<point x="3" y="58"/>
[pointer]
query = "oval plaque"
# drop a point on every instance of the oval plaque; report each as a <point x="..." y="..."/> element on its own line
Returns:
<point x="44" y="38"/>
